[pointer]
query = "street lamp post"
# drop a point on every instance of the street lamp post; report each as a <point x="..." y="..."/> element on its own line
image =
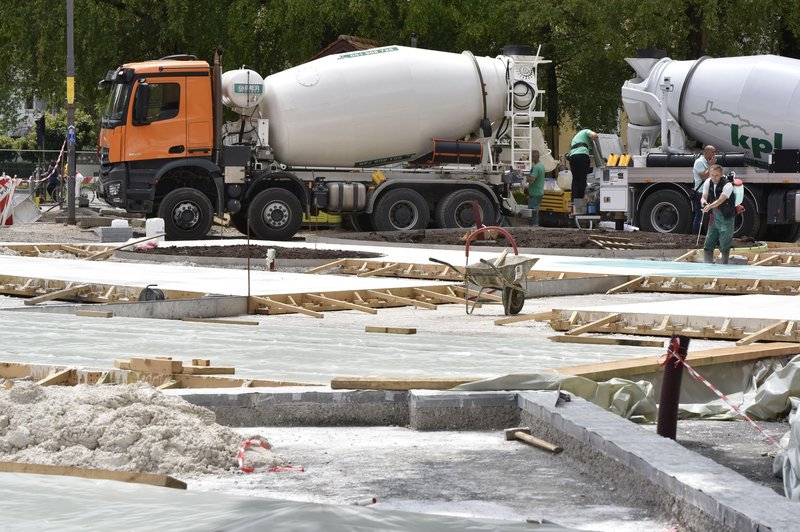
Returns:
<point x="71" y="136"/>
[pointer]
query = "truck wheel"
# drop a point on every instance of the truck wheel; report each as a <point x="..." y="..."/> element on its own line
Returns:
<point x="187" y="214"/>
<point x="275" y="214"/>
<point x="749" y="222"/>
<point x="401" y="209"/>
<point x="360" y="223"/>
<point x="666" y="211"/>
<point x="783" y="233"/>
<point x="239" y="221"/>
<point x="455" y="209"/>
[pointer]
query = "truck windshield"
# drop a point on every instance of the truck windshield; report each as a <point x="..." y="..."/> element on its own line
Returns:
<point x="117" y="104"/>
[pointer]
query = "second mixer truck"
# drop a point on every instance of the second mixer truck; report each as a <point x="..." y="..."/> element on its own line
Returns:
<point x="401" y="138"/>
<point x="747" y="107"/>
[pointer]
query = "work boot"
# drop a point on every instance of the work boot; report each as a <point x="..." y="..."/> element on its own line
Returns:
<point x="723" y="257"/>
<point x="578" y="206"/>
<point x="708" y="256"/>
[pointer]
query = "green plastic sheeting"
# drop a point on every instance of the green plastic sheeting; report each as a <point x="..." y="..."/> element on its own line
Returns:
<point x="631" y="400"/>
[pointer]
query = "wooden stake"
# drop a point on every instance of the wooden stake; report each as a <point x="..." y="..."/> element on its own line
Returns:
<point x="329" y="266"/>
<point x="341" y="304"/>
<point x="64" y="292"/>
<point x="632" y="283"/>
<point x="594" y="325"/>
<point x="758" y="335"/>
<point x="284" y="306"/>
<point x="388" y="296"/>
<point x="58" y="377"/>
<point x="538" y="316"/>
<point x="110" y="251"/>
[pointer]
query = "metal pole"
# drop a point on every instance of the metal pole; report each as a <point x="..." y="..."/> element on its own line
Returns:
<point x="71" y="134"/>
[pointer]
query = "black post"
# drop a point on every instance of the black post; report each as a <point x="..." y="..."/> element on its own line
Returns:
<point x="671" y="386"/>
<point x="70" y="116"/>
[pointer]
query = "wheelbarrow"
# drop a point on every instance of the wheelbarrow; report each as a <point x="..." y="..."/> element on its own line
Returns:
<point x="508" y="274"/>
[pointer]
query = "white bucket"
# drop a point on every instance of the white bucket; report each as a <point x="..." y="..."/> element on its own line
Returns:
<point x="153" y="227"/>
<point x="118" y="222"/>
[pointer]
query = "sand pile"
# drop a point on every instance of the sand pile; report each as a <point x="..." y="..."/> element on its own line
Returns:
<point x="125" y="428"/>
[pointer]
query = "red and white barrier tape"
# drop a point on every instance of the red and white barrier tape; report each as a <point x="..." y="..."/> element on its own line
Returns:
<point x="672" y="352"/>
<point x="263" y="445"/>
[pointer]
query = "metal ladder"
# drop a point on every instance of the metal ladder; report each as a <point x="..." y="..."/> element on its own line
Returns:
<point x="524" y="105"/>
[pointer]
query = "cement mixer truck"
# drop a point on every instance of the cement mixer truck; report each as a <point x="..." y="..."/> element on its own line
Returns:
<point x="397" y="138"/>
<point x="747" y="107"/>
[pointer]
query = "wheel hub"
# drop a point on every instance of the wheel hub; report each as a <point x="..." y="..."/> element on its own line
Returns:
<point x="403" y="214"/>
<point x="186" y="215"/>
<point x="664" y="218"/>
<point x="276" y="214"/>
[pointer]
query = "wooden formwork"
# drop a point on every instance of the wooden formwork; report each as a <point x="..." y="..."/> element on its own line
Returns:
<point x="160" y="372"/>
<point x="742" y="330"/>
<point x="41" y="289"/>
<point x="411" y="270"/>
<point x="315" y="303"/>
<point x="709" y="285"/>
<point x="36" y="250"/>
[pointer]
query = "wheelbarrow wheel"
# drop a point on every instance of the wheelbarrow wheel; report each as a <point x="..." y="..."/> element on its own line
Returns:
<point x="513" y="300"/>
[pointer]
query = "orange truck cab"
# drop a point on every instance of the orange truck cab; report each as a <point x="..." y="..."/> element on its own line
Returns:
<point x="161" y="155"/>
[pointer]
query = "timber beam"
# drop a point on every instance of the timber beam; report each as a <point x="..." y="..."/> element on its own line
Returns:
<point x="652" y="324"/>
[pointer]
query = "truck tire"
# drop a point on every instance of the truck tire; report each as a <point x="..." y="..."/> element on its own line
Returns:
<point x="666" y="211"/>
<point x="455" y="210"/>
<point x="783" y="233"/>
<point x="749" y="222"/>
<point x="239" y="221"/>
<point x="401" y="209"/>
<point x="275" y="214"/>
<point x="187" y="214"/>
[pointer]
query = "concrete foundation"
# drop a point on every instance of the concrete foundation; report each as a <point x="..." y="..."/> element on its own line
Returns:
<point x="175" y="309"/>
<point x="643" y="467"/>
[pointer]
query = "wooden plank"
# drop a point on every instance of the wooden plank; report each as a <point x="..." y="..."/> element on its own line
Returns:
<point x="399" y="299"/>
<point x="168" y="385"/>
<point x="604" y="340"/>
<point x="110" y="251"/>
<point x="758" y="335"/>
<point x="341" y="303"/>
<point x="152" y="365"/>
<point x="649" y="364"/>
<point x="630" y="284"/>
<point x="538" y="316"/>
<point x="59" y="377"/>
<point x="284" y="306"/>
<point x="377" y="271"/>
<point x="105" y="378"/>
<point x="64" y="292"/>
<point x="94" y="313"/>
<point x="442" y="297"/>
<point x="212" y="381"/>
<point x="685" y="255"/>
<point x="765" y="260"/>
<point x="330" y="265"/>
<point x="201" y="362"/>
<point x="208" y="370"/>
<point x="75" y="251"/>
<point x="390" y="330"/>
<point x="221" y="321"/>
<point x="399" y="383"/>
<point x="104" y="474"/>
<point x="611" y="318"/>
<point x="122" y="364"/>
<point x="14" y="370"/>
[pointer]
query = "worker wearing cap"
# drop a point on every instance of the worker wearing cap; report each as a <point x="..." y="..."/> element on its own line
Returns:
<point x="580" y="164"/>
<point x="701" y="172"/>
<point x="535" y="188"/>
<point x="718" y="198"/>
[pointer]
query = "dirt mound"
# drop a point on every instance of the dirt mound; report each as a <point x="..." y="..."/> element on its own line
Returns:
<point x="257" y="252"/>
<point x="540" y="237"/>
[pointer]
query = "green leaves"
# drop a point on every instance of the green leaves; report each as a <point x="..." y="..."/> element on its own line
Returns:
<point x="587" y="41"/>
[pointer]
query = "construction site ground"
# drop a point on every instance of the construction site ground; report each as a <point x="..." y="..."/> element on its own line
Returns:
<point x="468" y="474"/>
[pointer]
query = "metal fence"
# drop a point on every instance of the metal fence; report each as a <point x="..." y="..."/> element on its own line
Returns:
<point x="23" y="163"/>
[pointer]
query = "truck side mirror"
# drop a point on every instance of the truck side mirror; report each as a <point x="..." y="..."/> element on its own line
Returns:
<point x="140" y="104"/>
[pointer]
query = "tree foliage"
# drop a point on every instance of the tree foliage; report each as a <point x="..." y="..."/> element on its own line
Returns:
<point x="587" y="41"/>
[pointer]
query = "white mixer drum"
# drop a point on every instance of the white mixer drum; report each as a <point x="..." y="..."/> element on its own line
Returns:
<point x="739" y="104"/>
<point x="378" y="106"/>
